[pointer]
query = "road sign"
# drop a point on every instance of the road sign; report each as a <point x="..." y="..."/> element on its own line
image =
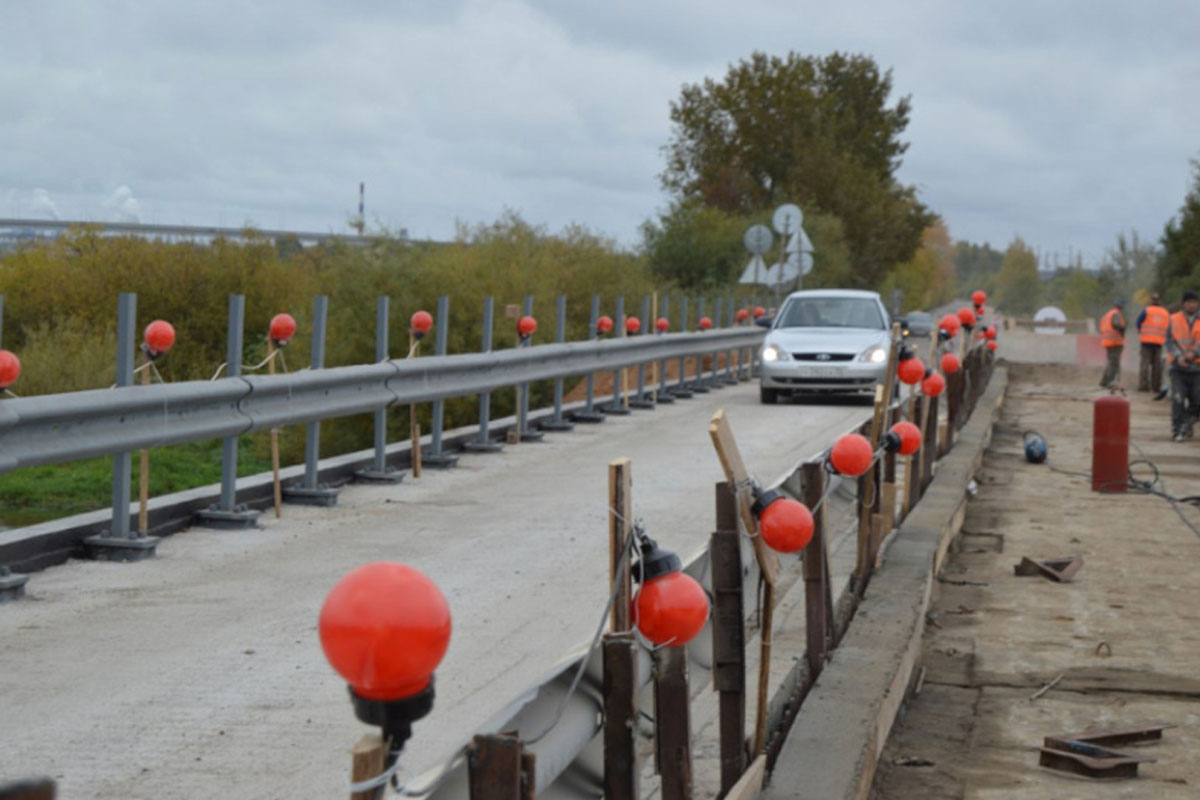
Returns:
<point x="788" y="218"/>
<point x="758" y="239"/>
<point x="754" y="272"/>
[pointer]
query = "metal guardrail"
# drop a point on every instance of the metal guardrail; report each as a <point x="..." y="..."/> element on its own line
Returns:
<point x="65" y="427"/>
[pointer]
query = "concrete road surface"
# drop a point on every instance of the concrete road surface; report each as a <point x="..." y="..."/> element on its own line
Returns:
<point x="198" y="674"/>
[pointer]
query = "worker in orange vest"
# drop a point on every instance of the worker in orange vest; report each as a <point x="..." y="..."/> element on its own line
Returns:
<point x="1152" y="326"/>
<point x="1112" y="336"/>
<point x="1183" y="340"/>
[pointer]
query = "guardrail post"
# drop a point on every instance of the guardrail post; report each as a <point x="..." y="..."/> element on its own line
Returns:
<point x="483" y="442"/>
<point x="227" y="513"/>
<point x="714" y="379"/>
<point x="435" y="457"/>
<point x="664" y="394"/>
<point x="616" y="406"/>
<point x="642" y="399"/>
<point x="681" y="389"/>
<point x="729" y="636"/>
<point x="523" y="431"/>
<point x="588" y="413"/>
<point x="379" y="471"/>
<point x="731" y="321"/>
<point x="557" y="422"/>
<point x="698" y="385"/>
<point x="120" y="543"/>
<point x="309" y="491"/>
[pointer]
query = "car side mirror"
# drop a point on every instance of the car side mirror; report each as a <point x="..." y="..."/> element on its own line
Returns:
<point x="764" y="322"/>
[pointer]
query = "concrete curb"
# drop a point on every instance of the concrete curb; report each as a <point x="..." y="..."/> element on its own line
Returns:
<point x="832" y="749"/>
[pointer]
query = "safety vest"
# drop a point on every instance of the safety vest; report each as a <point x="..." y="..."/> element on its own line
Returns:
<point x="1183" y="336"/>
<point x="1154" y="326"/>
<point x="1109" y="335"/>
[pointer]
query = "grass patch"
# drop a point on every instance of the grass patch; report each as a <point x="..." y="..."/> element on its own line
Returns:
<point x="38" y="494"/>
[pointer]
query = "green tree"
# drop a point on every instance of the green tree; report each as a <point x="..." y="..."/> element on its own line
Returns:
<point x="1019" y="287"/>
<point x="813" y="130"/>
<point x="1179" y="262"/>
<point x="976" y="266"/>
<point x="694" y="246"/>
<point x="927" y="279"/>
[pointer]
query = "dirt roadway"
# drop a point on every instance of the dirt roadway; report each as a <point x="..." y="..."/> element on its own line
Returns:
<point x="1124" y="635"/>
<point x="198" y="674"/>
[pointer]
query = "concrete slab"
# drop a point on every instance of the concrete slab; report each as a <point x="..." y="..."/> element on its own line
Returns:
<point x="184" y="675"/>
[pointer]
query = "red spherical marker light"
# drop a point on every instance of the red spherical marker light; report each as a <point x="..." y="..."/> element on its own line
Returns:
<point x="851" y="455"/>
<point x="705" y="323"/>
<point x="420" y="323"/>
<point x="909" y="436"/>
<point x="991" y="345"/>
<point x="785" y="524"/>
<point x="10" y="368"/>
<point x="978" y="297"/>
<point x="933" y="385"/>
<point x="759" y="311"/>
<point x="990" y="332"/>
<point x="662" y="324"/>
<point x="742" y="315"/>
<point x="158" y="337"/>
<point x="950" y="324"/>
<point x="282" y="329"/>
<point x="526" y="327"/>
<point x="911" y="370"/>
<point x="950" y="363"/>
<point x="384" y="628"/>
<point x="967" y="317"/>
<point x="670" y="607"/>
<point x="604" y="324"/>
<point x="632" y="325"/>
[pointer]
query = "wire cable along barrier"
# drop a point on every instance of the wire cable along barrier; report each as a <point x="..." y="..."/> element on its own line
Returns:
<point x="66" y="427"/>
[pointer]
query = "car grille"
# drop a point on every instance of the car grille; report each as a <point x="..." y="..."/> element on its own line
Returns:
<point x="823" y="357"/>
<point x="834" y="381"/>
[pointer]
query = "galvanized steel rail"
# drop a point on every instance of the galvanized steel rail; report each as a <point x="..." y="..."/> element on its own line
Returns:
<point x="66" y="427"/>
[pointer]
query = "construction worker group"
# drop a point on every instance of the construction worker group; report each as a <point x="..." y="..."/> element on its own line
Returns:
<point x="1160" y="332"/>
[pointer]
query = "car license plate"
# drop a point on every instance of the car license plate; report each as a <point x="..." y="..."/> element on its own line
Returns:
<point x="823" y="372"/>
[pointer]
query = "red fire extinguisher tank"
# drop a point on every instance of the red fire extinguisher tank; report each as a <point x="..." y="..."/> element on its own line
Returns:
<point x="1110" y="444"/>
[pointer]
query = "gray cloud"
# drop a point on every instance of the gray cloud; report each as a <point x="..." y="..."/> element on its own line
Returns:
<point x="1065" y="122"/>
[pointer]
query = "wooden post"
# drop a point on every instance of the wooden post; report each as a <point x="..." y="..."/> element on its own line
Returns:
<point x="494" y="768"/>
<point x="620" y="717"/>
<point x="929" y="450"/>
<point x="144" y="470"/>
<point x="414" y="428"/>
<point x="620" y="522"/>
<point x="274" y="437"/>
<point x="818" y="598"/>
<point x="673" y="722"/>
<point x="34" y="789"/>
<point x="729" y="637"/>
<point x="367" y="761"/>
<point x="883" y="399"/>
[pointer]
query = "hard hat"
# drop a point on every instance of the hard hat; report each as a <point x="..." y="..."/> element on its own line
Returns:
<point x="1035" y="447"/>
<point x="1119" y="302"/>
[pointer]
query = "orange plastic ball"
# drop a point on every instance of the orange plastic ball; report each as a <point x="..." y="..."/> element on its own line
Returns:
<point x="662" y="324"/>
<point x="385" y="627"/>
<point x="159" y="336"/>
<point x="705" y="323"/>
<point x="950" y="363"/>
<point x="950" y="324"/>
<point x="421" y="322"/>
<point x="786" y="525"/>
<point x="526" y="326"/>
<point x="759" y="311"/>
<point x="851" y="455"/>
<point x="604" y="324"/>
<point x="933" y="385"/>
<point x="671" y="609"/>
<point x="911" y="370"/>
<point x="966" y="316"/>
<point x="910" y="437"/>
<point x="991" y="345"/>
<point x="282" y="329"/>
<point x="10" y="368"/>
<point x="633" y="325"/>
<point x="742" y="314"/>
<point x="979" y="297"/>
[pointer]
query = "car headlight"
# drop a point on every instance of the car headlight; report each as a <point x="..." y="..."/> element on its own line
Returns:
<point x="874" y="355"/>
<point x="772" y="353"/>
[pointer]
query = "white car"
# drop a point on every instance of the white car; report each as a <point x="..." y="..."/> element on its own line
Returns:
<point x="826" y="341"/>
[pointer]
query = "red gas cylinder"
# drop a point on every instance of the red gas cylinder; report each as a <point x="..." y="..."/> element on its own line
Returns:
<point x="1110" y="444"/>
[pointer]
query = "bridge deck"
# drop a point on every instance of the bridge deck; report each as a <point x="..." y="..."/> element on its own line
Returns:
<point x="199" y="673"/>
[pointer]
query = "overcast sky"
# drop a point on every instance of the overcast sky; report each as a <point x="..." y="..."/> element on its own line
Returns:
<point x="1065" y="121"/>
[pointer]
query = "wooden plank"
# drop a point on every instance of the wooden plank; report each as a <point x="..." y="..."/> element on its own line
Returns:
<point x="620" y="717"/>
<point x="929" y="455"/>
<point x="735" y="472"/>
<point x="729" y="637"/>
<point x="883" y="400"/>
<point x="620" y="516"/>
<point x="751" y="783"/>
<point x="673" y="722"/>
<point x="494" y="768"/>
<point x="528" y="776"/>
<point x="367" y="761"/>
<point x="818" y="594"/>
<point x="764" y="668"/>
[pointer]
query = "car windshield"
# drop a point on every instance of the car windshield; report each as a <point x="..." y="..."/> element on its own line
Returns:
<point x="831" y="312"/>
